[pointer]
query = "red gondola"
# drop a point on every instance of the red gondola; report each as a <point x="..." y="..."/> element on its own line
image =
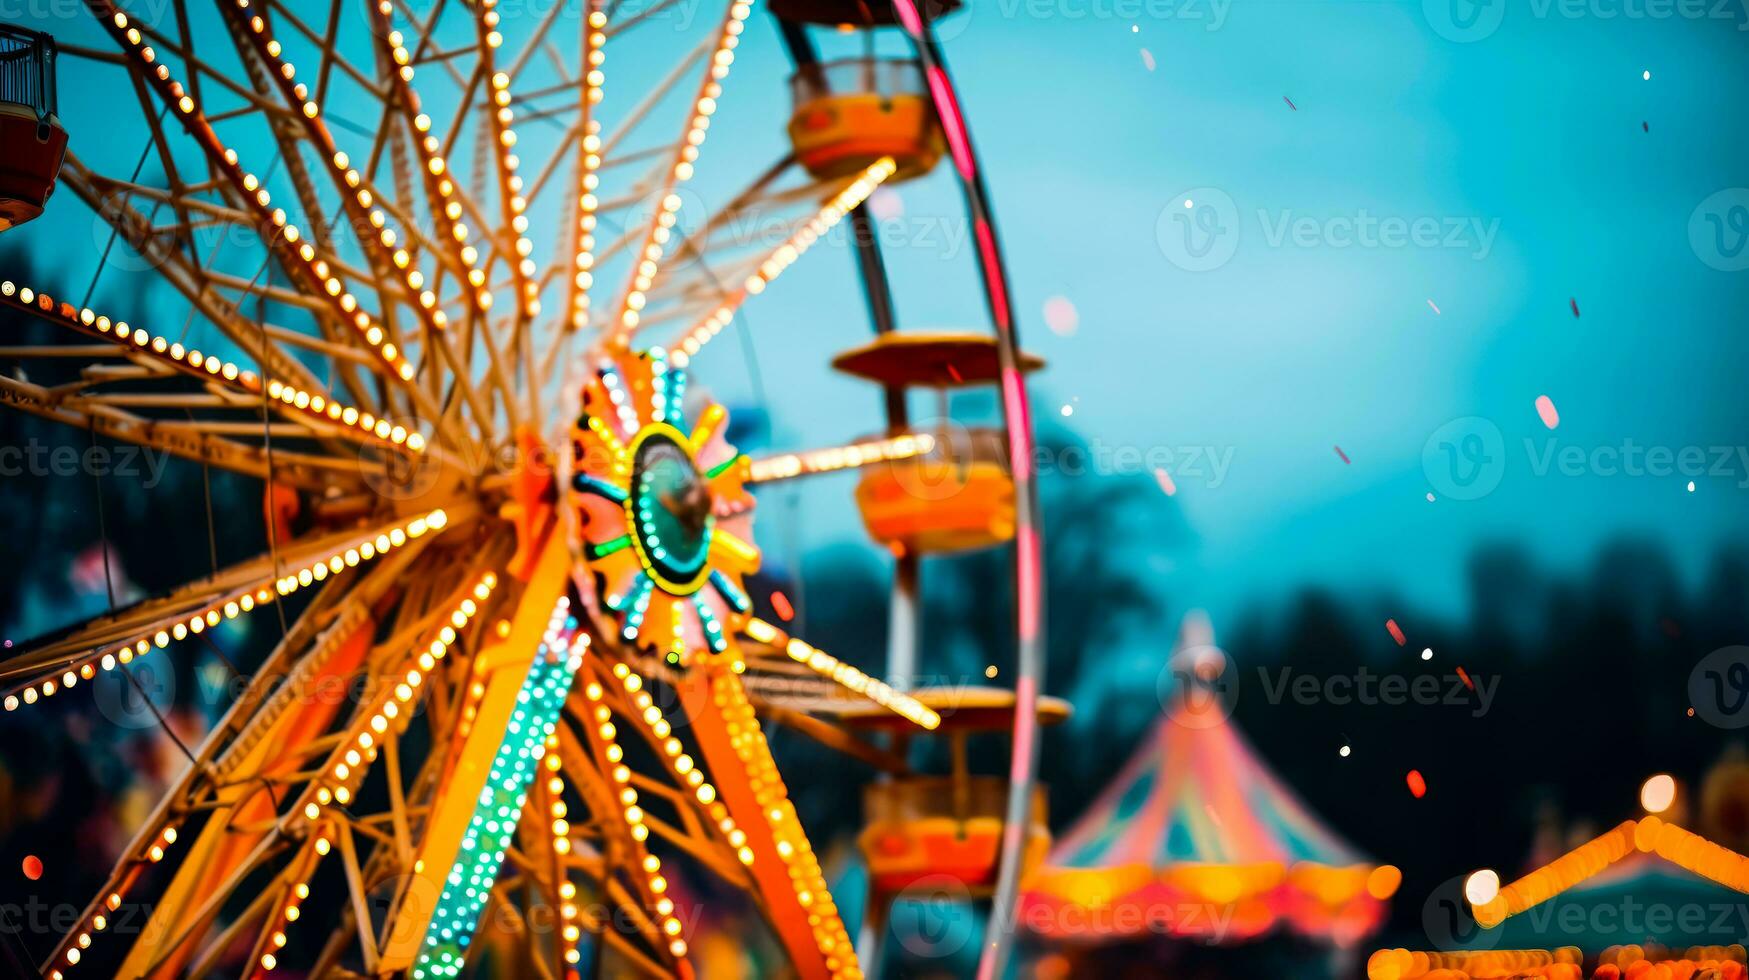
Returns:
<point x="32" y="141"/>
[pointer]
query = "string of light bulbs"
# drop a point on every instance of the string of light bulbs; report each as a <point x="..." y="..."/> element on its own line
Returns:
<point x="232" y="604"/>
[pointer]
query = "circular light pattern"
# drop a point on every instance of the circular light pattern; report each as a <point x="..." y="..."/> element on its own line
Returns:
<point x="662" y="511"/>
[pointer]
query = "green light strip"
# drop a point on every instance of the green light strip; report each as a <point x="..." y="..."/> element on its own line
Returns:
<point x="495" y="817"/>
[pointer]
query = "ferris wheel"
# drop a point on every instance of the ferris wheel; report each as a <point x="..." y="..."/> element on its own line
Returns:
<point x="442" y="288"/>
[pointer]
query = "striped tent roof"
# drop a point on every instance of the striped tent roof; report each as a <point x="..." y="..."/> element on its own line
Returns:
<point x="1194" y="794"/>
<point x="1197" y="827"/>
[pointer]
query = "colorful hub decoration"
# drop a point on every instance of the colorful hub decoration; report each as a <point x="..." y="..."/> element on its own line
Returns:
<point x="663" y="516"/>
<point x="493" y="826"/>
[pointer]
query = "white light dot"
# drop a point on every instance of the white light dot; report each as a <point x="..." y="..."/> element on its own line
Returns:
<point x="1188" y="204"/>
<point x="1691" y="486"/>
<point x="1658" y="793"/>
<point x="1481" y="888"/>
<point x="1647" y="75"/>
<point x="1343" y="751"/>
<point x="1068" y="410"/>
<point x="1430" y="497"/>
<point x="1427" y="654"/>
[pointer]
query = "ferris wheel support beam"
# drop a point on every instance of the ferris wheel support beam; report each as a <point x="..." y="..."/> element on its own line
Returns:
<point x="249" y="825"/>
<point x="383" y="250"/>
<point x="193" y="282"/>
<point x="785" y="870"/>
<point x="502" y="667"/>
<point x="294" y="469"/>
<point x="904" y="622"/>
<point x="1028" y="531"/>
<point x="243" y="723"/>
<point x="308" y="265"/>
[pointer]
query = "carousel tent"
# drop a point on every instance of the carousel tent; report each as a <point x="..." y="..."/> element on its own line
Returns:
<point x="1645" y="898"/>
<point x="1642" y="899"/>
<point x="1197" y="837"/>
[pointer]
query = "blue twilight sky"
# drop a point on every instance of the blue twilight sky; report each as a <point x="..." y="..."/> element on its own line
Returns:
<point x="1531" y="135"/>
<point x="1396" y="250"/>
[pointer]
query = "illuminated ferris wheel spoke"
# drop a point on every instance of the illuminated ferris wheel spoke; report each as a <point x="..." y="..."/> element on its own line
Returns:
<point x="644" y="872"/>
<point x="649" y="256"/>
<point x="773" y="265"/>
<point x="859" y="454"/>
<point x="378" y="237"/>
<point x="199" y="286"/>
<point x="239" y="757"/>
<point x="847" y="676"/>
<point x="322" y="271"/>
<point x="236" y="388"/>
<point x="588" y="138"/>
<point x="115" y="641"/>
<point x="434" y="169"/>
<point x="501" y="115"/>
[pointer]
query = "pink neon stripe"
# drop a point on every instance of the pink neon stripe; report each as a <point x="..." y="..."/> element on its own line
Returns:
<point x="1014" y="402"/>
<point x="952" y="124"/>
<point x="998" y="287"/>
<point x="908" y="15"/>
<point x="1028" y="571"/>
<point x="1028" y="559"/>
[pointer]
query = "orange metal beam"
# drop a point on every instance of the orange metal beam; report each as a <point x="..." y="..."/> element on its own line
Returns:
<point x="501" y="667"/>
<point x="224" y="844"/>
<point x="784" y="868"/>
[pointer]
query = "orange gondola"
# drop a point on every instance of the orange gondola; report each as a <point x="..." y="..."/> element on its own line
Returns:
<point x="849" y="114"/>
